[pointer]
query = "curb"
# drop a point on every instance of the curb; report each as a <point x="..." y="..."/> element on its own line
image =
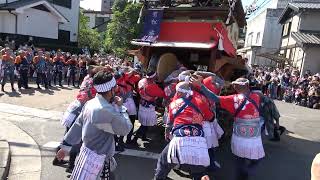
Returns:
<point x="5" y="158"/>
<point x="25" y="155"/>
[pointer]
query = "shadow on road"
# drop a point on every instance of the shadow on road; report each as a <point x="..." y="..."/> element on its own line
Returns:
<point x="290" y="158"/>
<point x="12" y="94"/>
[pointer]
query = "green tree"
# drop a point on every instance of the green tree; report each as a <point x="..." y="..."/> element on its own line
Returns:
<point x="119" y="5"/>
<point x="123" y="27"/>
<point x="88" y="37"/>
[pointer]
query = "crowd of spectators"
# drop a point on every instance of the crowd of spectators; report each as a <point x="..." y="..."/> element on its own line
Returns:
<point x="64" y="67"/>
<point x="288" y="85"/>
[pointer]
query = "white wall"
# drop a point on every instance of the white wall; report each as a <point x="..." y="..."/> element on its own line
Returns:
<point x="73" y="16"/>
<point x="267" y="26"/>
<point x="7" y="22"/>
<point x="92" y="19"/>
<point x="248" y="55"/>
<point x="255" y="26"/>
<point x="295" y="23"/>
<point x="289" y="41"/>
<point x="298" y="57"/>
<point x="43" y="29"/>
<point x="38" y="23"/>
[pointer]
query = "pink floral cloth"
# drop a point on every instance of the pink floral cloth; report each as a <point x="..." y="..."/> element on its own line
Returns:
<point x="87" y="91"/>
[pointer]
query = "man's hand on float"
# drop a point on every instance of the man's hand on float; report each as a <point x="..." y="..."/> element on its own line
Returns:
<point x="196" y="81"/>
<point x="118" y="100"/>
<point x="61" y="154"/>
<point x="167" y="136"/>
<point x="167" y="132"/>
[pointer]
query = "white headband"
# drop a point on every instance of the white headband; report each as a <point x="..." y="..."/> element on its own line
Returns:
<point x="246" y="82"/>
<point x="188" y="92"/>
<point x="152" y="76"/>
<point x="185" y="78"/>
<point x="181" y="77"/>
<point x="106" y="86"/>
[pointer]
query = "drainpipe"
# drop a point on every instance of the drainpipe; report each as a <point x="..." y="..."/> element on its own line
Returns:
<point x="16" y="19"/>
<point x="302" y="62"/>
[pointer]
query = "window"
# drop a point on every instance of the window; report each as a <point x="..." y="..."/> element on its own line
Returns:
<point x="249" y="39"/>
<point x="99" y="21"/>
<point x="64" y="3"/>
<point x="258" y="38"/>
<point x="286" y="29"/>
<point x="64" y="36"/>
<point x="242" y="33"/>
<point x="282" y="53"/>
<point x="288" y="53"/>
<point x="293" y="52"/>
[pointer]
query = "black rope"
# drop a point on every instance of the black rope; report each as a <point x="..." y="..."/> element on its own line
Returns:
<point x="105" y="175"/>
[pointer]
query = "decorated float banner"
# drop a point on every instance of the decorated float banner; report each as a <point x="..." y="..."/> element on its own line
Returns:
<point x="152" y="24"/>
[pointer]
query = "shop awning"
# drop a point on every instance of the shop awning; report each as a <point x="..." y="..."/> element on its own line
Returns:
<point x="274" y="57"/>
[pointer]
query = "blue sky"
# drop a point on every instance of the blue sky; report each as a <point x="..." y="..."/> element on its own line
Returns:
<point x="246" y="2"/>
<point x="96" y="4"/>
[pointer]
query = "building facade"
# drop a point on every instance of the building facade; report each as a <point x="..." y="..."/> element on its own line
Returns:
<point x="40" y="21"/>
<point x="106" y="5"/>
<point x="98" y="19"/>
<point x="300" y="42"/>
<point x="263" y="34"/>
<point x="71" y="10"/>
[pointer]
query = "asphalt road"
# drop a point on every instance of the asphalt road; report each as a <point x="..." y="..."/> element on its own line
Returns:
<point x="289" y="159"/>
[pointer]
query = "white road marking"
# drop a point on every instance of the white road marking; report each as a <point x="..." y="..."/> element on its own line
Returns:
<point x="290" y="117"/>
<point x="142" y="154"/>
<point x="29" y="112"/>
<point x="127" y="152"/>
<point x="298" y="136"/>
<point x="51" y="145"/>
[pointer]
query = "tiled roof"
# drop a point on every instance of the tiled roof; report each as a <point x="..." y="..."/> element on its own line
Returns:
<point x="296" y="7"/>
<point x="306" y="5"/>
<point x="18" y="4"/>
<point x="21" y="3"/>
<point x="307" y="38"/>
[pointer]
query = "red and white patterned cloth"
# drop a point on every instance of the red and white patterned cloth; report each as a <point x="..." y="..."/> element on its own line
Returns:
<point x="87" y="91"/>
<point x="189" y="115"/>
<point x="245" y="147"/>
<point x="149" y="91"/>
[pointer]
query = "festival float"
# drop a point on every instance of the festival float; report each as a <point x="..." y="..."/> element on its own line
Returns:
<point x="200" y="35"/>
